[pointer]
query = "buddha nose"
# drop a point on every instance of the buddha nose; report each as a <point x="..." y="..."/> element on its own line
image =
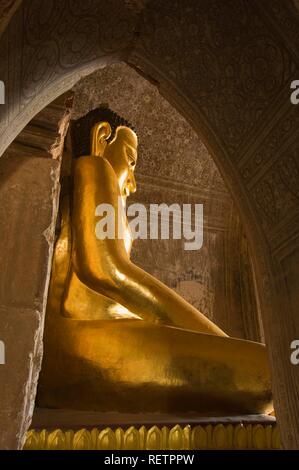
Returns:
<point x="131" y="182"/>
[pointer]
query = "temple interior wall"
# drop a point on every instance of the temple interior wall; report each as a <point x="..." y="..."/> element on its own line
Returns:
<point x="29" y="193"/>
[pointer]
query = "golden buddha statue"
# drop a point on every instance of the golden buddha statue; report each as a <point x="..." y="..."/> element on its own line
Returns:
<point x="116" y="338"/>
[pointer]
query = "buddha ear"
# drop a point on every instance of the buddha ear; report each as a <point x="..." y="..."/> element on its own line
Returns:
<point x="99" y="135"/>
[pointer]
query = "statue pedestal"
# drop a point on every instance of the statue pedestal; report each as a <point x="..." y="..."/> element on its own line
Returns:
<point x="67" y="429"/>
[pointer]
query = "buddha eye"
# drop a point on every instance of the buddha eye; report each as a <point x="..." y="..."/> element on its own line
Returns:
<point x="131" y="160"/>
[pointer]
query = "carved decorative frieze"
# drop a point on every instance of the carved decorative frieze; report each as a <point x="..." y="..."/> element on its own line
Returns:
<point x="270" y="148"/>
<point x="238" y="64"/>
<point x="47" y="40"/>
<point x="276" y="194"/>
<point x="284" y="17"/>
<point x="209" y="437"/>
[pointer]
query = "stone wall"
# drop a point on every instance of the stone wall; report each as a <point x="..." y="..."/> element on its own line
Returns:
<point x="29" y="192"/>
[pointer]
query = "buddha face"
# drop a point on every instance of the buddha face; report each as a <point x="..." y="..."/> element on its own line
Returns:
<point x="121" y="153"/>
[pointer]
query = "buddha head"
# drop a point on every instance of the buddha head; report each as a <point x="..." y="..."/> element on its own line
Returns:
<point x="112" y="138"/>
<point x="121" y="153"/>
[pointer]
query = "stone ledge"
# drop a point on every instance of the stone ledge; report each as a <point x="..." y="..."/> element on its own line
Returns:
<point x="50" y="419"/>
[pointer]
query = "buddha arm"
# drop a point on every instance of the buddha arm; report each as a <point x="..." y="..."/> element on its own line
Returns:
<point x="104" y="265"/>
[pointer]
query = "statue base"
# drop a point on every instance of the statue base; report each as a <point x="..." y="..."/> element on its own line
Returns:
<point x="81" y="430"/>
